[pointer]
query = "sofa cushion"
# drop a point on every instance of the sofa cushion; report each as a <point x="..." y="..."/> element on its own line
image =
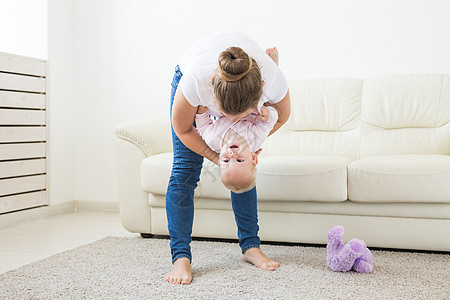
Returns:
<point x="400" y="178"/>
<point x="324" y="119"/>
<point x="279" y="178"/>
<point x="302" y="178"/>
<point x="329" y="104"/>
<point x="155" y="174"/>
<point x="406" y="114"/>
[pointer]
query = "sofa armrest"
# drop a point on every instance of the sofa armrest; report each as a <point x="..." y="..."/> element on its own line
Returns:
<point x="151" y="135"/>
<point x="135" y="141"/>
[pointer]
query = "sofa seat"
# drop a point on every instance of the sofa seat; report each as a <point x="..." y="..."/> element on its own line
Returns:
<point x="297" y="178"/>
<point x="346" y="208"/>
<point x="400" y="178"/>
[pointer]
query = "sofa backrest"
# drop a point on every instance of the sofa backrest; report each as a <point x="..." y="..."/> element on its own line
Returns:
<point x="406" y="114"/>
<point x="324" y="120"/>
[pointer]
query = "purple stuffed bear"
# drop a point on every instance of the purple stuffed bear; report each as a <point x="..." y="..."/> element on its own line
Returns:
<point x="352" y="256"/>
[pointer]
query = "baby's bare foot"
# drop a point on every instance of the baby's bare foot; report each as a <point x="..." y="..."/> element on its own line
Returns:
<point x="273" y="53"/>
<point x="181" y="272"/>
<point x="256" y="257"/>
<point x="201" y="109"/>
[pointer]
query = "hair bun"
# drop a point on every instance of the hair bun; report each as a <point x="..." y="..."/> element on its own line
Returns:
<point x="234" y="64"/>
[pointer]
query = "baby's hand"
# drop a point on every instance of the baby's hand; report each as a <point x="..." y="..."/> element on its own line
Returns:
<point x="264" y="115"/>
<point x="201" y="109"/>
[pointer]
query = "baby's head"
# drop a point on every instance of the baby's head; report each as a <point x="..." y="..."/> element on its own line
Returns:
<point x="238" y="166"/>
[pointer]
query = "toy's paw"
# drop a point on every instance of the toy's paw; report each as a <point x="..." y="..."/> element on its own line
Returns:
<point x="364" y="263"/>
<point x="362" y="266"/>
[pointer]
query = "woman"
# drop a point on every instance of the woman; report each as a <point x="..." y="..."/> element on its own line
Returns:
<point x="240" y="81"/>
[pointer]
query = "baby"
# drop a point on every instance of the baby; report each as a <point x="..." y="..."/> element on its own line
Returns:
<point x="237" y="143"/>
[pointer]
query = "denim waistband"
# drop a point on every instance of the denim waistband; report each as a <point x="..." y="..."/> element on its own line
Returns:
<point x="176" y="76"/>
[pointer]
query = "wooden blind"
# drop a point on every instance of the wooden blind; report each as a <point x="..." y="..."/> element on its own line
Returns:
<point x="23" y="133"/>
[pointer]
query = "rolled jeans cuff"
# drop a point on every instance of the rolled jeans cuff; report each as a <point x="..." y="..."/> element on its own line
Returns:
<point x="181" y="256"/>
<point x="249" y="247"/>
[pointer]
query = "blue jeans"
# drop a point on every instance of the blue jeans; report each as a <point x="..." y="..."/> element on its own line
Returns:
<point x="186" y="169"/>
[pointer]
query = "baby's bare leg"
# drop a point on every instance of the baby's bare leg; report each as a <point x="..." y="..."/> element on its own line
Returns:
<point x="273" y="53"/>
<point x="257" y="258"/>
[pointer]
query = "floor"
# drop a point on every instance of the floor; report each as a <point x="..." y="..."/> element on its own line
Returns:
<point x="30" y="241"/>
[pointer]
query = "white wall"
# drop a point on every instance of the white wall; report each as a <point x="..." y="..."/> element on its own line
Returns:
<point x="125" y="51"/>
<point x="23" y="27"/>
<point x="63" y="104"/>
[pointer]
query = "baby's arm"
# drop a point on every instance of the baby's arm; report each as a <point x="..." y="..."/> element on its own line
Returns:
<point x="261" y="128"/>
<point x="202" y="120"/>
<point x="211" y="131"/>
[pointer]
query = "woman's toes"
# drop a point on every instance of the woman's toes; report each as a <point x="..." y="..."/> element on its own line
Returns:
<point x="274" y="266"/>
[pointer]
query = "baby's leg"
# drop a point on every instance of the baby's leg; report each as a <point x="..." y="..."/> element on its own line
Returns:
<point x="273" y="54"/>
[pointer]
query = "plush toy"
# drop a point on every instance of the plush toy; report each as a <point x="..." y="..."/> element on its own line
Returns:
<point x="352" y="256"/>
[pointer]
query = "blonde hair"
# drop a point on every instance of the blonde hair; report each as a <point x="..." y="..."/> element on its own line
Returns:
<point x="237" y="82"/>
<point x="239" y="186"/>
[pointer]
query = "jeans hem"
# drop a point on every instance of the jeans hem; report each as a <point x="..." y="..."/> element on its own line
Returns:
<point x="249" y="247"/>
<point x="181" y="256"/>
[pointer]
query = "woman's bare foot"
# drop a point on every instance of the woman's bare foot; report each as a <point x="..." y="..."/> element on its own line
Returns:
<point x="256" y="257"/>
<point x="181" y="272"/>
<point x="273" y="53"/>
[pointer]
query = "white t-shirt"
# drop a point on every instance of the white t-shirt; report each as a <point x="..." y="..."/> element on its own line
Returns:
<point x="199" y="63"/>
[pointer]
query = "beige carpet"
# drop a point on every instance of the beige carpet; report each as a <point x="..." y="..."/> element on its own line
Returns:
<point x="134" y="268"/>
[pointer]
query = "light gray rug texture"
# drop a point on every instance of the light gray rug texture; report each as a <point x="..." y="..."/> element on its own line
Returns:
<point x="134" y="268"/>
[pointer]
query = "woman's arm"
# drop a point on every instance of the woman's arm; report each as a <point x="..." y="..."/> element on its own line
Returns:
<point x="283" y="108"/>
<point x="183" y="115"/>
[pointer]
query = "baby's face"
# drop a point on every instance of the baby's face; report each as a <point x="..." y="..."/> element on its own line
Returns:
<point x="236" y="159"/>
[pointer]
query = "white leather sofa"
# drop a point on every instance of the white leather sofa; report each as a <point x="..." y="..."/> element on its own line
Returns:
<point x="372" y="155"/>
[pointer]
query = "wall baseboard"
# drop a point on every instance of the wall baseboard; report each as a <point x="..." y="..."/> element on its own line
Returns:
<point x="80" y="205"/>
<point x="12" y="218"/>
